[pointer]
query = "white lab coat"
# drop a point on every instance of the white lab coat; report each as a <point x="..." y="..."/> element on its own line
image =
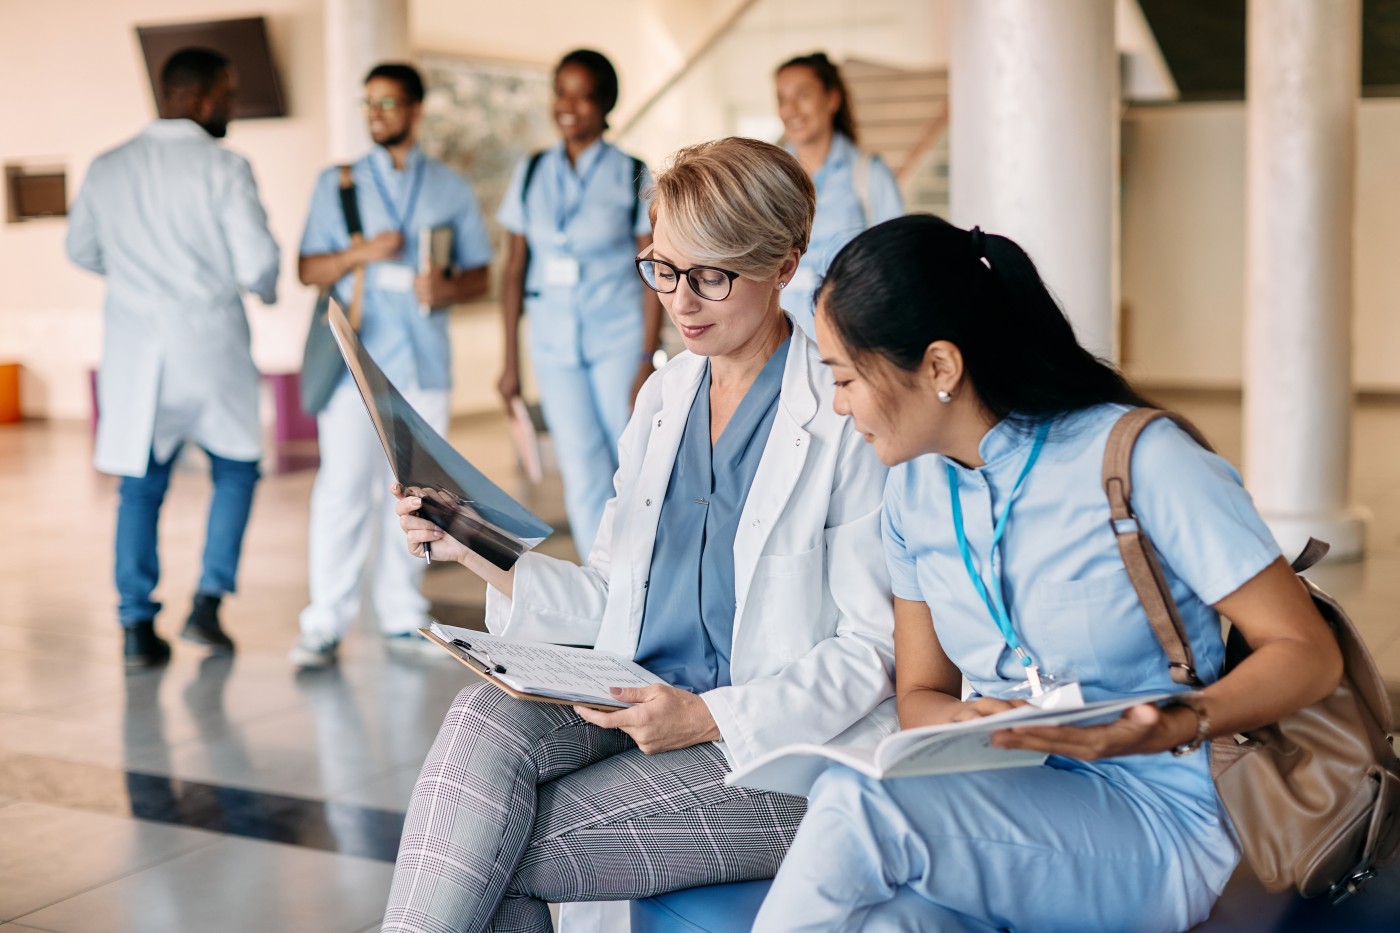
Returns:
<point x="812" y="658"/>
<point x="813" y="653"/>
<point x="173" y="220"/>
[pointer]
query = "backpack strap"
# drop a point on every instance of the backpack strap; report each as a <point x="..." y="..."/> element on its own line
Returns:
<point x="638" y="170"/>
<point x="350" y="207"/>
<point x="530" y="169"/>
<point x="860" y="182"/>
<point x="1139" y="557"/>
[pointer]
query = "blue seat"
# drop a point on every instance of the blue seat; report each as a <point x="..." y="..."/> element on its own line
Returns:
<point x="1245" y="907"/>
<point x="716" y="908"/>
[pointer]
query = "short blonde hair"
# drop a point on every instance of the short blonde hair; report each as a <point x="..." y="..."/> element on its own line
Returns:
<point x="736" y="202"/>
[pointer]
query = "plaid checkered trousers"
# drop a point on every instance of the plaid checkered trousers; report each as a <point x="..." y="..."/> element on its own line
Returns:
<point x="522" y="803"/>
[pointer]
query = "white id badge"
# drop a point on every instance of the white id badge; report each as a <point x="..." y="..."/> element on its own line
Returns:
<point x="560" y="269"/>
<point x="393" y="277"/>
<point x="1057" y="695"/>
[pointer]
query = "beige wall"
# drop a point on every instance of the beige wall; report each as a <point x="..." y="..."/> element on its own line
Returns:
<point x="1183" y="245"/>
<point x="79" y="87"/>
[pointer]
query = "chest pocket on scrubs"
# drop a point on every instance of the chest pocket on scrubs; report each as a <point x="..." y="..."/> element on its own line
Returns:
<point x="790" y="591"/>
<point x="1062" y="619"/>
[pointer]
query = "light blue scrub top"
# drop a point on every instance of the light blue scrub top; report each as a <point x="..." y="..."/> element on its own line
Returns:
<point x="839" y="219"/>
<point x="444" y="198"/>
<point x="1065" y="587"/>
<point x="688" y="619"/>
<point x="601" y="315"/>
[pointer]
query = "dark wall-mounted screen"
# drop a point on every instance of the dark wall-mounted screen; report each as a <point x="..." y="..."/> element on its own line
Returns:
<point x="244" y="41"/>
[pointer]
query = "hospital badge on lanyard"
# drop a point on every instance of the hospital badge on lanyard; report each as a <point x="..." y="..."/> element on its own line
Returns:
<point x="993" y="597"/>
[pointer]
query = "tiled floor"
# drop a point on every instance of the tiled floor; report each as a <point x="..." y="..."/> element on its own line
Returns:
<point x="230" y="795"/>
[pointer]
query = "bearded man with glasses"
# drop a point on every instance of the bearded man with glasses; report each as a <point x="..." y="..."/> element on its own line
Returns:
<point x="398" y="192"/>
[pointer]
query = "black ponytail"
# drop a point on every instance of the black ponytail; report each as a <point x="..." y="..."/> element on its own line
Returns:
<point x="905" y="283"/>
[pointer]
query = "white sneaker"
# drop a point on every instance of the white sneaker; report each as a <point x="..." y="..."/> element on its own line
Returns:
<point x="311" y="654"/>
<point x="410" y="642"/>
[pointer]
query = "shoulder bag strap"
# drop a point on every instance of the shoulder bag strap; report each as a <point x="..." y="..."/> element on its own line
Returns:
<point x="351" y="209"/>
<point x="1139" y="557"/>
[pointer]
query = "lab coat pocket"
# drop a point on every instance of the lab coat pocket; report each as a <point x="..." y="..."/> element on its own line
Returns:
<point x="1097" y="621"/>
<point x="788" y="593"/>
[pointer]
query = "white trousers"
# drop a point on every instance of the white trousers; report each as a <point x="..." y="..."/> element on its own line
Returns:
<point x="353" y="526"/>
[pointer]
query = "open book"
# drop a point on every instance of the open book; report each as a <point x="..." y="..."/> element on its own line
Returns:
<point x="534" y="670"/>
<point x="942" y="749"/>
<point x="457" y="497"/>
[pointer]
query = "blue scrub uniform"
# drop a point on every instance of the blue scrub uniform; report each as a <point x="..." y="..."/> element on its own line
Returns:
<point x="583" y="308"/>
<point x="406" y="344"/>
<point x="688" y="624"/>
<point x="1132" y="843"/>
<point x="840" y="217"/>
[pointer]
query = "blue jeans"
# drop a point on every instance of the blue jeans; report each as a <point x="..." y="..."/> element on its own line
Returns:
<point x="138" y="514"/>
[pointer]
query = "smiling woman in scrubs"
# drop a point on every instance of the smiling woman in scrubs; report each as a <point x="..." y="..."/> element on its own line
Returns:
<point x="954" y="362"/>
<point x="576" y="220"/>
<point x="855" y="190"/>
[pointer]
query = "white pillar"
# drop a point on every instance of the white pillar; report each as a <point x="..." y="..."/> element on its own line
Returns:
<point x="1033" y="140"/>
<point x="1302" y="85"/>
<point x="359" y="35"/>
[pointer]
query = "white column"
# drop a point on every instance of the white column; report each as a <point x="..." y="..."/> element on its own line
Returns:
<point x="1033" y="140"/>
<point x="359" y="35"/>
<point x="1302" y="85"/>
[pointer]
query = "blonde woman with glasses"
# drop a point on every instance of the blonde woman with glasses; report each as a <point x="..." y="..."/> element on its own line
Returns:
<point x="739" y="494"/>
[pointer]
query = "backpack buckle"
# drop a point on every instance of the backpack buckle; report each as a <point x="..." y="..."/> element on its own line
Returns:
<point x="1128" y="525"/>
<point x="1350" y="885"/>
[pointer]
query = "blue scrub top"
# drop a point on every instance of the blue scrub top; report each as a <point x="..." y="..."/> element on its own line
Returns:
<point x="444" y="198"/>
<point x="840" y="217"/>
<point x="1066" y="590"/>
<point x="688" y="618"/>
<point x="583" y="211"/>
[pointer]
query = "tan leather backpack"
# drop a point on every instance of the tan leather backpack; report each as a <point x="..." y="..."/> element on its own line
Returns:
<point x="1314" y="797"/>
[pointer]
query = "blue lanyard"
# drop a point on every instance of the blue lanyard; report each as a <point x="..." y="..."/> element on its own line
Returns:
<point x="399" y="220"/>
<point x="993" y="599"/>
<point x="563" y="213"/>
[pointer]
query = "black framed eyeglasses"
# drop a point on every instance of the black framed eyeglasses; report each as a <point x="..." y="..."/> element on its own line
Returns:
<point x="706" y="281"/>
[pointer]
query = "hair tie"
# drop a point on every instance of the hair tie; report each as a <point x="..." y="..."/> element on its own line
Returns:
<point x="979" y="246"/>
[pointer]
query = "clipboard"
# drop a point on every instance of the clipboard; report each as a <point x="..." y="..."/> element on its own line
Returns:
<point x="478" y="668"/>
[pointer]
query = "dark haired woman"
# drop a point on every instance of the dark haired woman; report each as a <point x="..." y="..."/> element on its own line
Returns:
<point x="576" y="219"/>
<point x="953" y="360"/>
<point x="855" y="190"/>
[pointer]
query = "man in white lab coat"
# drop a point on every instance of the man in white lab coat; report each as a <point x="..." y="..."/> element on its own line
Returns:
<point x="173" y="221"/>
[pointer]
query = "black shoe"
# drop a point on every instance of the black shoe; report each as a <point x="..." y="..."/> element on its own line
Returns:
<point x="143" y="647"/>
<point x="202" y="627"/>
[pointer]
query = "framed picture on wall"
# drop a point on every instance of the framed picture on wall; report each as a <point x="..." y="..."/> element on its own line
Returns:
<point x="243" y="41"/>
<point x="482" y="117"/>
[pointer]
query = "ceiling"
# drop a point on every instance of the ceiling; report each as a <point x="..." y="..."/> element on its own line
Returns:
<point x="1203" y="42"/>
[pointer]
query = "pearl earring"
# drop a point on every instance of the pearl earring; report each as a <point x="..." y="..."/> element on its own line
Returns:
<point x="945" y="396"/>
<point x="782" y="285"/>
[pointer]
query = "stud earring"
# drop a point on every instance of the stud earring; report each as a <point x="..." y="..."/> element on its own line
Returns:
<point x="945" y="396"/>
<point x="782" y="285"/>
